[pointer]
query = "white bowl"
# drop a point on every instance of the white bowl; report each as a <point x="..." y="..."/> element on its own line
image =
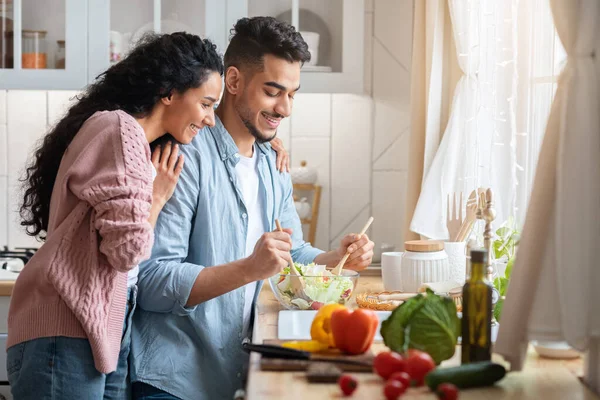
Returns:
<point x="555" y="350"/>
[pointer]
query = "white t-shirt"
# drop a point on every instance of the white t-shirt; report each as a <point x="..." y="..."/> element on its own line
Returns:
<point x="247" y="174"/>
<point x="132" y="275"/>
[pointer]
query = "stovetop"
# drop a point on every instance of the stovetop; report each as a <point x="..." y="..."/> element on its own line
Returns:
<point x="12" y="260"/>
<point x="23" y="253"/>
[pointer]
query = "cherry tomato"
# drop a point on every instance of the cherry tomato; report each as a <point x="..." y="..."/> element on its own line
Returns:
<point x="401" y="377"/>
<point x="348" y="384"/>
<point x="393" y="390"/>
<point x="388" y="362"/>
<point x="447" y="391"/>
<point x="418" y="364"/>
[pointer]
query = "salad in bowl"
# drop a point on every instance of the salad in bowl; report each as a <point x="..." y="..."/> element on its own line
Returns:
<point x="320" y="287"/>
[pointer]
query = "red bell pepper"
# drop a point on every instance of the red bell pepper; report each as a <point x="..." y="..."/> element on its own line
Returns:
<point x="353" y="331"/>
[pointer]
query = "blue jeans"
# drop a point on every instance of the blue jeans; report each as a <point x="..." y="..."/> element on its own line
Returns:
<point x="62" y="368"/>
<point x="143" y="391"/>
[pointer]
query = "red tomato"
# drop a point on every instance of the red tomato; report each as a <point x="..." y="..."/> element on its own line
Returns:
<point x="388" y="362"/>
<point x="348" y="384"/>
<point x="418" y="364"/>
<point x="393" y="390"/>
<point x="447" y="391"/>
<point x="401" y="377"/>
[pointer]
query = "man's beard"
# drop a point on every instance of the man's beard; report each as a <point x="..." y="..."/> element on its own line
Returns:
<point x="258" y="135"/>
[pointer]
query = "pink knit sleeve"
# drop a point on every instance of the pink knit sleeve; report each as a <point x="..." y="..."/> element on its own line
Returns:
<point x="122" y="198"/>
<point x="122" y="207"/>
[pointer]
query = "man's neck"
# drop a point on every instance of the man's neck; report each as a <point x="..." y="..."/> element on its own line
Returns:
<point x="236" y="128"/>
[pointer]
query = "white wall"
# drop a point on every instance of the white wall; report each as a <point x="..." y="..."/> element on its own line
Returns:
<point x="358" y="142"/>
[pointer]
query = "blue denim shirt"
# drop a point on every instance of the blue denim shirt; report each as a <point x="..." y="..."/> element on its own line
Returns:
<point x="195" y="352"/>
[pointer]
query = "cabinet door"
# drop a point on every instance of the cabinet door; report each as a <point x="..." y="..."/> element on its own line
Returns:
<point x="129" y="20"/>
<point x="43" y="44"/>
<point x="333" y="30"/>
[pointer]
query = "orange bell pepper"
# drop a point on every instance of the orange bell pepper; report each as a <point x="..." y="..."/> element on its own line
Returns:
<point x="353" y="331"/>
<point x="320" y="329"/>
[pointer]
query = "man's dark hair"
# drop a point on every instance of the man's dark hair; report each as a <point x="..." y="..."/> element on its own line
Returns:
<point x="252" y="38"/>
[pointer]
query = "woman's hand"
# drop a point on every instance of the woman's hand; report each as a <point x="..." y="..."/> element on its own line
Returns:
<point x="283" y="157"/>
<point x="168" y="166"/>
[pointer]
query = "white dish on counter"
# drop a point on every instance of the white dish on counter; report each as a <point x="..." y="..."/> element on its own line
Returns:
<point x="555" y="350"/>
<point x="295" y="325"/>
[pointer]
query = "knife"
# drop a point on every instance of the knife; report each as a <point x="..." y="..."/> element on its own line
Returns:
<point x="272" y="351"/>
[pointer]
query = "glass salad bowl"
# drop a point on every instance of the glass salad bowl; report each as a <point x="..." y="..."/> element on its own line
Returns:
<point x="320" y="287"/>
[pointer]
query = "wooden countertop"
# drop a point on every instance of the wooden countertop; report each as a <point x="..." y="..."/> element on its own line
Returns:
<point x="541" y="378"/>
<point x="6" y="288"/>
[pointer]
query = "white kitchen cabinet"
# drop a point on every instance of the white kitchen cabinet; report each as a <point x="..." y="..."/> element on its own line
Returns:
<point x="97" y="33"/>
<point x="32" y="32"/>
<point x="207" y="18"/>
<point x="334" y="31"/>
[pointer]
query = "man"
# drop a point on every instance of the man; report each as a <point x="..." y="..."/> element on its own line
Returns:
<point x="188" y="334"/>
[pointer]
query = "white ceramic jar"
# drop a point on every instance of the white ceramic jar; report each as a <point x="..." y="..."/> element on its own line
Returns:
<point x="303" y="174"/>
<point x="424" y="261"/>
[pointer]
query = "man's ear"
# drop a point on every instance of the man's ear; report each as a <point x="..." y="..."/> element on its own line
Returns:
<point x="233" y="80"/>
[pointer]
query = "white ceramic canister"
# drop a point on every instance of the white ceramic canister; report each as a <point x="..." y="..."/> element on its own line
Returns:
<point x="391" y="273"/>
<point x="457" y="260"/>
<point x="424" y="261"/>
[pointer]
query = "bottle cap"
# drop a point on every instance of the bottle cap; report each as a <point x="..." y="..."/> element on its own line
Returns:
<point x="479" y="256"/>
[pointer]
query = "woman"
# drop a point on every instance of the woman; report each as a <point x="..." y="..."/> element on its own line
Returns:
<point x="90" y="190"/>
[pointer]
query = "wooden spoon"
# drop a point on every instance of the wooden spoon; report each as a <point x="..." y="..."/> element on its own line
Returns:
<point x="295" y="278"/>
<point x="338" y="268"/>
<point x="470" y="216"/>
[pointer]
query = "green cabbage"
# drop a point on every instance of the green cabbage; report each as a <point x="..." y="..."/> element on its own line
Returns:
<point x="427" y="323"/>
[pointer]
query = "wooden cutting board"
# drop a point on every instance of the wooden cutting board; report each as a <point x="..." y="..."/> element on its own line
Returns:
<point x="280" y="364"/>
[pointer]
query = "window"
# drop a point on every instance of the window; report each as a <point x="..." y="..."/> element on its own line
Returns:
<point x="540" y="61"/>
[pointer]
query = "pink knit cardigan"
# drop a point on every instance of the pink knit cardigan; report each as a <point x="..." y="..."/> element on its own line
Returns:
<point x="76" y="284"/>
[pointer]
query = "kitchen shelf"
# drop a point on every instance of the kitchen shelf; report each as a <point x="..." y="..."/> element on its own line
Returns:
<point x="316" y="201"/>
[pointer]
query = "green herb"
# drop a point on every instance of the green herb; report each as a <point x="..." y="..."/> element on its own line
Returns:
<point x="427" y="323"/>
<point x="505" y="248"/>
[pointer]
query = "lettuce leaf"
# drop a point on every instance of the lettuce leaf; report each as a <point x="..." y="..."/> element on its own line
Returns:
<point x="427" y="323"/>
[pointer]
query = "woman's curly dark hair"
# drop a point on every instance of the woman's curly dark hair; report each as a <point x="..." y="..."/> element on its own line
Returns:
<point x="158" y="66"/>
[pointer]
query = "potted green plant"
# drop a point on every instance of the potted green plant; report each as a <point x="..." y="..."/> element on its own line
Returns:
<point x="504" y="248"/>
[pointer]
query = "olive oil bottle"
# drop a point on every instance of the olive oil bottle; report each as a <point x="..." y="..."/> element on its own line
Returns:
<point x="477" y="312"/>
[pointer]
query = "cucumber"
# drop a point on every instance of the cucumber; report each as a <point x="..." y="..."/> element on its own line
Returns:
<point x="472" y="375"/>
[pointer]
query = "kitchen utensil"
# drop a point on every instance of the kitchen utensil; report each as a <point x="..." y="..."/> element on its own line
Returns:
<point x="338" y="268"/>
<point x="304" y="174"/>
<point x="295" y="278"/>
<point x="278" y="358"/>
<point x="457" y="260"/>
<point x="423" y="261"/>
<point x="488" y="214"/>
<point x="319" y="372"/>
<point x="322" y="289"/>
<point x="391" y="273"/>
<point x="454" y="221"/>
<point x="470" y="217"/>
<point x="372" y="301"/>
<point x="396" y="296"/>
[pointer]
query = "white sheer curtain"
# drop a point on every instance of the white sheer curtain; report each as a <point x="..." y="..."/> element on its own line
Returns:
<point x="478" y="147"/>
<point x="553" y="294"/>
